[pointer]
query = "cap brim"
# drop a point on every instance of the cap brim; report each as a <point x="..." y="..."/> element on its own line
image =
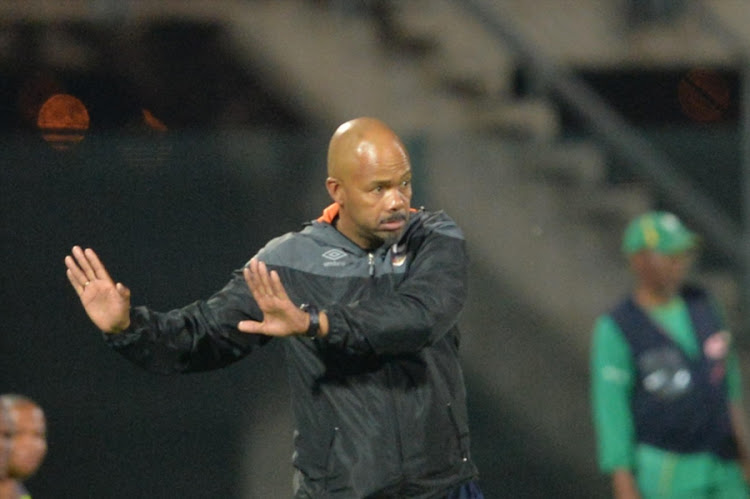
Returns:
<point x="690" y="242"/>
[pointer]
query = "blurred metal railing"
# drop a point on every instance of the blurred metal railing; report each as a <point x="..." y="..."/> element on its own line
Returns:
<point x="611" y="130"/>
<point x="625" y="142"/>
<point x="740" y="48"/>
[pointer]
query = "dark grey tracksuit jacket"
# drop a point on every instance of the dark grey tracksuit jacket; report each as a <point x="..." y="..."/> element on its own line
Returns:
<point x="379" y="403"/>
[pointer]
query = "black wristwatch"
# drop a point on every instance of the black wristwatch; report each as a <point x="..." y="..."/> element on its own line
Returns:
<point x="314" y="328"/>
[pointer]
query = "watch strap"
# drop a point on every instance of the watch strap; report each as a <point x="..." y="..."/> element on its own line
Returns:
<point x="314" y="327"/>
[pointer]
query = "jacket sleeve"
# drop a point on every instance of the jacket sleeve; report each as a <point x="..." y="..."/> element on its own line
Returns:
<point x="417" y="312"/>
<point x="198" y="337"/>
<point x="612" y="381"/>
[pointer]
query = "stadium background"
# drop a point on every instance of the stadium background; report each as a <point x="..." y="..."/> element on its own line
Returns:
<point x="208" y="129"/>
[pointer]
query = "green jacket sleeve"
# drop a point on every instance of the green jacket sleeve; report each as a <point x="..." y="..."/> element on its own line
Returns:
<point x="612" y="379"/>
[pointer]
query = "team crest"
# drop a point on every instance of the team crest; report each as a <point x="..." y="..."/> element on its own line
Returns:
<point x="334" y="254"/>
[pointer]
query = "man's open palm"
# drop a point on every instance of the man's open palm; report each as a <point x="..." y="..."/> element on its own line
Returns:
<point x="106" y="303"/>
<point x="281" y="317"/>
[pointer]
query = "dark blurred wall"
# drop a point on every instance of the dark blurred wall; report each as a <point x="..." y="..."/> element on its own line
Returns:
<point x="171" y="216"/>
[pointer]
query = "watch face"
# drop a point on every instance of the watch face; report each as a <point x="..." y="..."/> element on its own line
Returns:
<point x="314" y="328"/>
<point x="664" y="373"/>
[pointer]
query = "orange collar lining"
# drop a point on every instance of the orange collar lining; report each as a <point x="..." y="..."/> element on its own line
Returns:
<point x="329" y="213"/>
<point x="332" y="211"/>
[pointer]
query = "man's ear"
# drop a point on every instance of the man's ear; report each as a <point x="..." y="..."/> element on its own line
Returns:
<point x="334" y="189"/>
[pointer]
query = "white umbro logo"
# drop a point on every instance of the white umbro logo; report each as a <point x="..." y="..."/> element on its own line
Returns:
<point x="334" y="254"/>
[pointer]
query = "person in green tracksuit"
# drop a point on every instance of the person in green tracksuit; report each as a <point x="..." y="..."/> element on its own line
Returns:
<point x="665" y="380"/>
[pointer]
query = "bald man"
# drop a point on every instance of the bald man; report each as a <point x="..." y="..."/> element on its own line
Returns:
<point x="365" y="300"/>
<point x="24" y="430"/>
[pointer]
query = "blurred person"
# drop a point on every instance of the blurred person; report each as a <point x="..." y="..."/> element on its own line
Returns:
<point x="26" y="435"/>
<point x="366" y="300"/>
<point x="666" y="389"/>
<point x="4" y="442"/>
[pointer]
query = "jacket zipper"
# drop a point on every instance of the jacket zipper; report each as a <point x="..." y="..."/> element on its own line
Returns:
<point x="396" y="425"/>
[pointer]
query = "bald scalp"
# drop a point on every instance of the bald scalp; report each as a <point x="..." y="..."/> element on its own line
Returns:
<point x="9" y="403"/>
<point x="360" y="141"/>
<point x="10" y="400"/>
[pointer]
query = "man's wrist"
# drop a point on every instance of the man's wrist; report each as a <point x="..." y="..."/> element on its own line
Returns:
<point x="324" y="324"/>
<point x="313" y="328"/>
<point x="118" y="328"/>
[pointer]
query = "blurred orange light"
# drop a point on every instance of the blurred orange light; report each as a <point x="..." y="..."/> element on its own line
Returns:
<point x="704" y="95"/>
<point x="63" y="120"/>
<point x="152" y="121"/>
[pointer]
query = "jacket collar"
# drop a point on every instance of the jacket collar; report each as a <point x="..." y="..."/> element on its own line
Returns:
<point x="329" y="215"/>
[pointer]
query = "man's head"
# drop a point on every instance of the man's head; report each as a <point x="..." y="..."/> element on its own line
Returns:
<point x="660" y="249"/>
<point x="27" y="435"/>
<point x="369" y="177"/>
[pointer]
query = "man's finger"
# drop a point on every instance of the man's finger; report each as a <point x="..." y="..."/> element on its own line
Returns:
<point x="277" y="286"/>
<point x="123" y="290"/>
<point x="83" y="263"/>
<point x="249" y="326"/>
<point x="264" y="280"/>
<point x="252" y="282"/>
<point x="100" y="271"/>
<point x="251" y="273"/>
<point x="246" y="275"/>
<point x="256" y="269"/>
<point x="75" y="272"/>
<point x="74" y="282"/>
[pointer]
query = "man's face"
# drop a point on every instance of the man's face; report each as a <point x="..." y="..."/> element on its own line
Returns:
<point x="375" y="199"/>
<point x="665" y="274"/>
<point x="28" y="441"/>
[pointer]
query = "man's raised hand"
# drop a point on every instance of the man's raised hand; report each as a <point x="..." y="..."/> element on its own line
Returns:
<point x="281" y="317"/>
<point x="106" y="303"/>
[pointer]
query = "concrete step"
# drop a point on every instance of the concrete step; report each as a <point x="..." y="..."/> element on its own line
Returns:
<point x="615" y="204"/>
<point x="595" y="33"/>
<point x="565" y="163"/>
<point x="536" y="234"/>
<point x="466" y="57"/>
<point x="527" y="119"/>
<point x="734" y="15"/>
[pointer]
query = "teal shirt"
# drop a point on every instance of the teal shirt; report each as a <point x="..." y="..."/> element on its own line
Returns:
<point x="613" y="377"/>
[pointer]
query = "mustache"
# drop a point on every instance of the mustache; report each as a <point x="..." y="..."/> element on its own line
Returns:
<point x="396" y="217"/>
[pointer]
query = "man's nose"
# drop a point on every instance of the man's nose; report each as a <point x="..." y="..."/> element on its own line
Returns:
<point x="396" y="200"/>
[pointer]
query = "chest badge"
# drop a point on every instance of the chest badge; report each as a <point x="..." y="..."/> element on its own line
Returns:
<point x="398" y="255"/>
<point x="334" y="258"/>
<point x="716" y="346"/>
